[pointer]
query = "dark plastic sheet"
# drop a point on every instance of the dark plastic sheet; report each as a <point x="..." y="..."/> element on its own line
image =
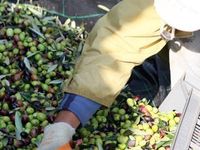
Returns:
<point x="82" y="11"/>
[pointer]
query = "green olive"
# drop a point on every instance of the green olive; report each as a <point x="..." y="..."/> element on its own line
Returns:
<point x="2" y="47"/>
<point x="15" y="51"/>
<point x="1" y="56"/>
<point x="122" y="139"/>
<point x="2" y="124"/>
<point x="1" y="145"/>
<point x="50" y="55"/>
<point x="41" y="47"/>
<point x="27" y="87"/>
<point x="29" y="39"/>
<point x="22" y="36"/>
<point x="30" y="116"/>
<point x="30" y="110"/>
<point x="2" y="8"/>
<point x="122" y="111"/>
<point x="10" y="32"/>
<point x="35" y="83"/>
<point x="40" y="62"/>
<point x="115" y="110"/>
<point x="58" y="46"/>
<point x="25" y="43"/>
<point x="33" y="49"/>
<point x="44" y="123"/>
<point x="84" y="132"/>
<point x="37" y="57"/>
<point x="41" y="40"/>
<point x="53" y="74"/>
<point x="41" y="116"/>
<point x="11" y="128"/>
<point x="130" y="102"/>
<point x="28" y="125"/>
<point x="17" y="31"/>
<point x="99" y="141"/>
<point x="18" y="96"/>
<point x="45" y="87"/>
<point x="5" y="71"/>
<point x="5" y="106"/>
<point x="6" y="119"/>
<point x="122" y="146"/>
<point x="9" y="45"/>
<point x="35" y="122"/>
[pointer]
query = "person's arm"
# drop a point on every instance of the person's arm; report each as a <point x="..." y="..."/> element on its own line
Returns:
<point x="119" y="41"/>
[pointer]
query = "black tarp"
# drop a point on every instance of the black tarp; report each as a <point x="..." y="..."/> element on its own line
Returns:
<point x="82" y="11"/>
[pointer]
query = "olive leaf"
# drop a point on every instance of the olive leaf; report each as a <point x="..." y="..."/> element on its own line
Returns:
<point x="138" y="132"/>
<point x="37" y="22"/>
<point x="59" y="53"/>
<point x="36" y="12"/>
<point x="28" y="17"/>
<point x="26" y="96"/>
<point x="80" y="48"/>
<point x="137" y="121"/>
<point x="163" y="143"/>
<point x="37" y="141"/>
<point x="7" y="61"/>
<point x="27" y="64"/>
<point x="63" y="60"/>
<point x="58" y="81"/>
<point x="18" y="125"/>
<point x="4" y="141"/>
<point x="52" y="68"/>
<point x="12" y="7"/>
<point x="4" y="75"/>
<point x="73" y="24"/>
<point x="112" y="138"/>
<point x="6" y="82"/>
<point x="48" y="19"/>
<point x="37" y="32"/>
<point x="50" y="108"/>
<point x="59" y="38"/>
<point x="3" y="41"/>
<point x="131" y="137"/>
<point x="103" y="8"/>
<point x="99" y="146"/>
<point x="170" y="135"/>
<point x="66" y="23"/>
<point x="58" y="22"/>
<point x="51" y="48"/>
<point x="32" y="54"/>
<point x="128" y="132"/>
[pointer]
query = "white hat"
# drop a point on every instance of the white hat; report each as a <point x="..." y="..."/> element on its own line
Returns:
<point x="181" y="14"/>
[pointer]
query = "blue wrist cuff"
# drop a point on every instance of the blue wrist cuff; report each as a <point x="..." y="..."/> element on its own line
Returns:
<point x="82" y="107"/>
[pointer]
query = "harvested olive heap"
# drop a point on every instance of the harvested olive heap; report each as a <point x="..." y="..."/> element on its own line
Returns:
<point x="37" y="53"/>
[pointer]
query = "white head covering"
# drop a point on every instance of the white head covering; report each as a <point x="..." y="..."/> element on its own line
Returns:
<point x="180" y="14"/>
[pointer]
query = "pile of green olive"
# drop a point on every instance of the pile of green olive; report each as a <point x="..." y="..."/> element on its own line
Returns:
<point x="37" y="53"/>
<point x="130" y="124"/>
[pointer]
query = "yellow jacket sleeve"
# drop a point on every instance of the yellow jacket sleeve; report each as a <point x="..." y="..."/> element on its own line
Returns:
<point x="120" y="40"/>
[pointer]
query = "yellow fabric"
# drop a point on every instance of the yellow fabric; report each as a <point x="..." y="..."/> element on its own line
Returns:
<point x="120" y="40"/>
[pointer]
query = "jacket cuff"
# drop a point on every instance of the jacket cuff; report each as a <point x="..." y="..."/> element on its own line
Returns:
<point x="82" y="107"/>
